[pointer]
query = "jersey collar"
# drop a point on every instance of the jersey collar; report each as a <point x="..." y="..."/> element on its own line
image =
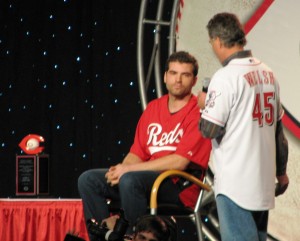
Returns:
<point x="237" y="55"/>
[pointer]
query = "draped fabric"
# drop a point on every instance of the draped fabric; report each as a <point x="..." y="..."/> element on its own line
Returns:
<point x="41" y="219"/>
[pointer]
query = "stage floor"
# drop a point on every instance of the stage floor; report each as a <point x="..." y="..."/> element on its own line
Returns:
<point x="30" y="219"/>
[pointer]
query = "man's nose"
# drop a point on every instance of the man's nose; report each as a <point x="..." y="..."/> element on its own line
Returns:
<point x="178" y="78"/>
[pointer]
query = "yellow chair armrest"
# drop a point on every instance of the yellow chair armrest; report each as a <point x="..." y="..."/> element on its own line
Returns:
<point x="169" y="173"/>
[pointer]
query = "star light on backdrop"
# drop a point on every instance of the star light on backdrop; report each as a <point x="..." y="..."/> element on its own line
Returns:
<point x="68" y="72"/>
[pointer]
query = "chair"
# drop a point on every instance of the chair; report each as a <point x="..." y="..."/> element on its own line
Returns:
<point x="204" y="214"/>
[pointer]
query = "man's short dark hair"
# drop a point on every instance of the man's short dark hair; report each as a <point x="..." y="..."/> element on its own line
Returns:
<point x="163" y="228"/>
<point x="228" y="28"/>
<point x="183" y="57"/>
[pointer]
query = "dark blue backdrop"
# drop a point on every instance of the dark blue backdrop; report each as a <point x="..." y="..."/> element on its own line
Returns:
<point x="68" y="72"/>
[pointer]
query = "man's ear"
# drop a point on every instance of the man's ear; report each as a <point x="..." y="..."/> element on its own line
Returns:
<point x="165" y="76"/>
<point x="219" y="42"/>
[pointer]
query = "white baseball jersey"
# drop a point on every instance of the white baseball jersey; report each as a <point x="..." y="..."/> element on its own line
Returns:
<point x="243" y="97"/>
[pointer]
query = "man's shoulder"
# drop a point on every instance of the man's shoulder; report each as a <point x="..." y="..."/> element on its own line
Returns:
<point x="194" y="103"/>
<point x="158" y="101"/>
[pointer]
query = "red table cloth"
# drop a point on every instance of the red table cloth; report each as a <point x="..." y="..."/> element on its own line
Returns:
<point x="41" y="219"/>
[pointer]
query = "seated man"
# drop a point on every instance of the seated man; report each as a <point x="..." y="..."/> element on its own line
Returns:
<point x="166" y="137"/>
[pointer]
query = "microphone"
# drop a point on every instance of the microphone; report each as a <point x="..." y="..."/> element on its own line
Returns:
<point x="205" y="84"/>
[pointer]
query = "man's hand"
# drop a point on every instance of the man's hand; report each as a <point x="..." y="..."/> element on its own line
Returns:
<point x="282" y="185"/>
<point x="110" y="222"/>
<point x="115" y="172"/>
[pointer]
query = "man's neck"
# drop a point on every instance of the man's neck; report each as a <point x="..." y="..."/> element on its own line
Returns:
<point x="175" y="104"/>
<point x="237" y="54"/>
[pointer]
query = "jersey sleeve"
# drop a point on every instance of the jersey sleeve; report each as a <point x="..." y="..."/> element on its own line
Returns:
<point x="139" y="147"/>
<point x="279" y="106"/>
<point x="218" y="101"/>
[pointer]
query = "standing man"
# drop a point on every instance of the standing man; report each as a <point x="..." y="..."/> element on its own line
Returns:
<point x="166" y="137"/>
<point x="242" y="115"/>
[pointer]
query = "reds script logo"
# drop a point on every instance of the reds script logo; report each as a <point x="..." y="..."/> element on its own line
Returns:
<point x="163" y="141"/>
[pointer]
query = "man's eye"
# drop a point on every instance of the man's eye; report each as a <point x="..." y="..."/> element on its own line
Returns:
<point x="186" y="75"/>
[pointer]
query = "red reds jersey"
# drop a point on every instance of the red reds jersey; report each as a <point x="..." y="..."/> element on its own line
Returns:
<point x="160" y="133"/>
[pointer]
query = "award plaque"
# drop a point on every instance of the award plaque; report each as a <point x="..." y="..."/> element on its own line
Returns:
<point x="26" y="175"/>
<point x="32" y="175"/>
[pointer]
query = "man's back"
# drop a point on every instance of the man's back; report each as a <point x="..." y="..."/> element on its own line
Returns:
<point x="246" y="99"/>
